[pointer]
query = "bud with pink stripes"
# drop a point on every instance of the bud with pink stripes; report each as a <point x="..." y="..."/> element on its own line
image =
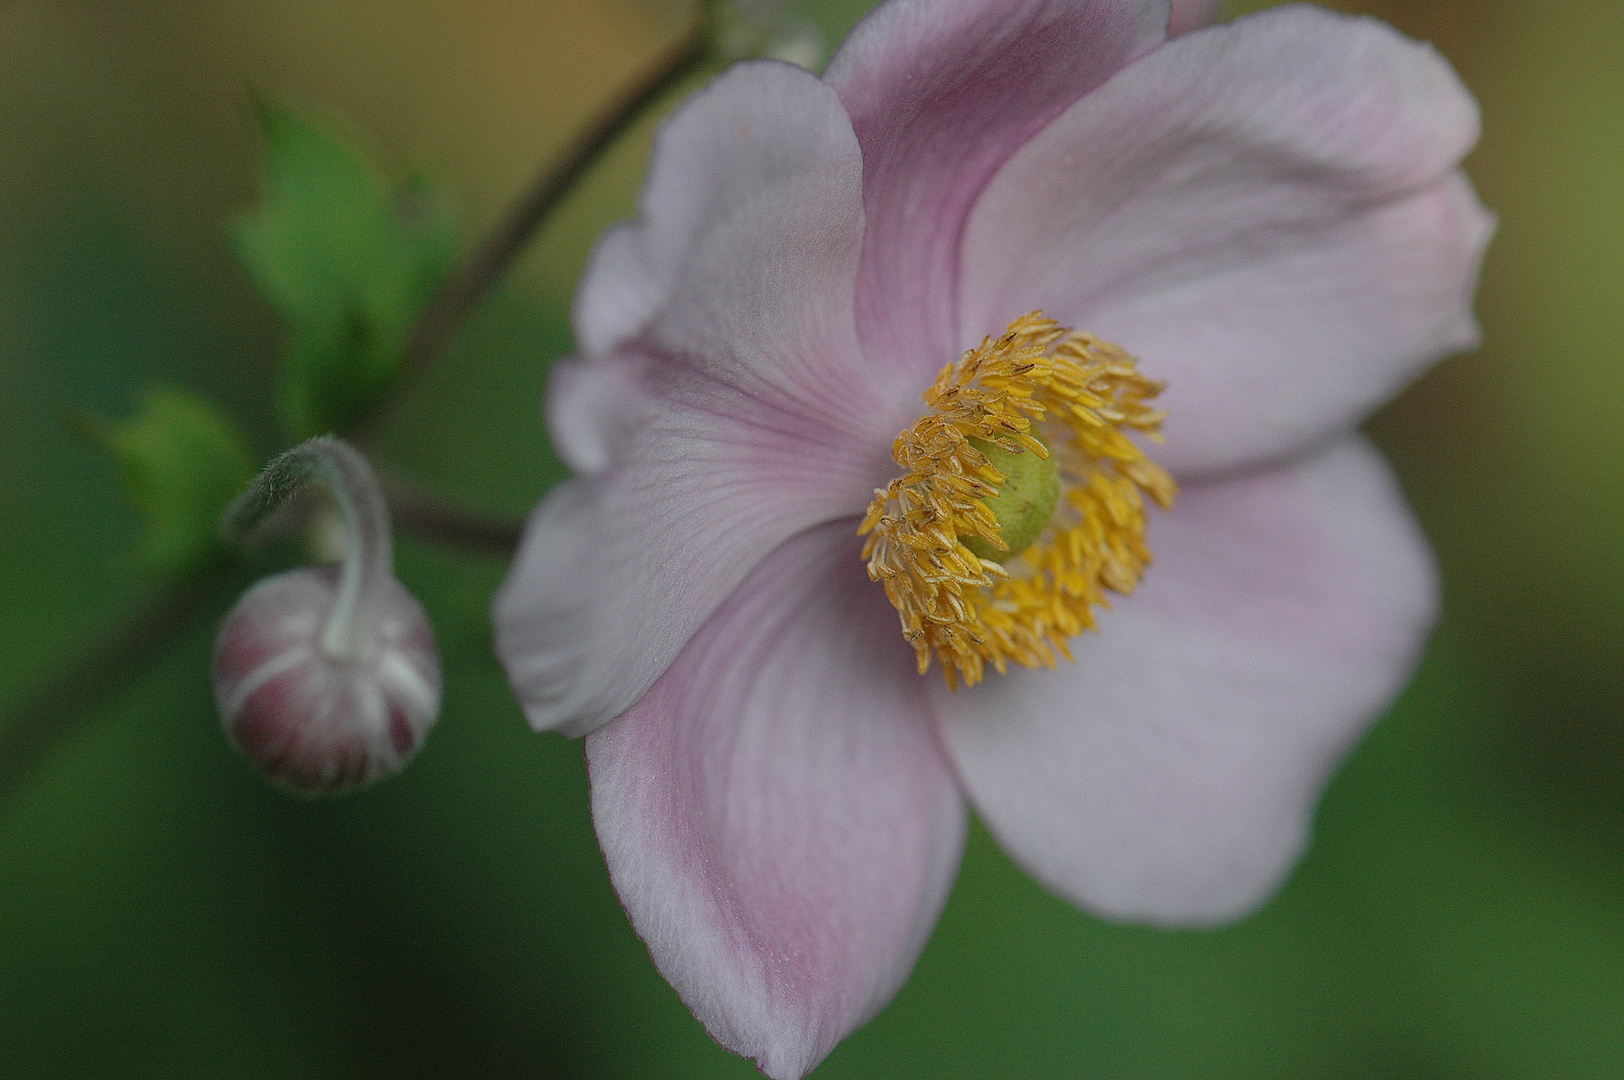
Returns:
<point x="327" y="678"/>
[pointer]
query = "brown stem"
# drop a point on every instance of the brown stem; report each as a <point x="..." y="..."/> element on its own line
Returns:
<point x="485" y="265"/>
<point x="418" y="513"/>
<point x="43" y="719"/>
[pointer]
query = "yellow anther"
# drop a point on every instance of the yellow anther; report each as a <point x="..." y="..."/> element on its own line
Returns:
<point x="962" y="591"/>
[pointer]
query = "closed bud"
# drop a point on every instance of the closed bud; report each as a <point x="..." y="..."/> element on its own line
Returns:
<point x="313" y="721"/>
<point x="327" y="678"/>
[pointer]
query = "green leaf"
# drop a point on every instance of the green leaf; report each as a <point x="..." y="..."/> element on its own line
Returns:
<point x="182" y="460"/>
<point x="348" y="259"/>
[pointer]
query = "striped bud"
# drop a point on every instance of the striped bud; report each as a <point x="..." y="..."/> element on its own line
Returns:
<point x="313" y="721"/>
<point x="327" y="678"/>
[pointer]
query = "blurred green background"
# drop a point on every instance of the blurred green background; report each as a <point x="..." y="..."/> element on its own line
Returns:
<point x="164" y="912"/>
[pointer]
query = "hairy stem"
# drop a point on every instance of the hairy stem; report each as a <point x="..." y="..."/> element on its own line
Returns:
<point x="368" y="553"/>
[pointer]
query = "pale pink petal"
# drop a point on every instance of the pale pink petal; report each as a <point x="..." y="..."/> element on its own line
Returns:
<point x="688" y="490"/>
<point x="749" y="132"/>
<point x="595" y="408"/>
<point x="941" y="92"/>
<point x="1191" y="15"/>
<point x="776" y="813"/>
<point x="740" y="414"/>
<point x="626" y="279"/>
<point x="1170" y="775"/>
<point x="742" y="264"/>
<point x="1267" y="213"/>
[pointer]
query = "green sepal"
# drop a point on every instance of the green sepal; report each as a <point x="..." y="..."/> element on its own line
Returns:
<point x="181" y="461"/>
<point x="348" y="259"/>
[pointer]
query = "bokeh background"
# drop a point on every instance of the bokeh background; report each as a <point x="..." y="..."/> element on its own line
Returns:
<point x="163" y="912"/>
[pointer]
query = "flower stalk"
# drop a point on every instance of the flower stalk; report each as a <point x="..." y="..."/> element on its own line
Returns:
<point x="368" y="552"/>
<point x="57" y="708"/>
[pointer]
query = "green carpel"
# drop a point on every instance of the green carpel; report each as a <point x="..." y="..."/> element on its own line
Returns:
<point x="1024" y="504"/>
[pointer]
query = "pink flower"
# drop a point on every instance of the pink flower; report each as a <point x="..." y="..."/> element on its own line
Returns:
<point x="1268" y="214"/>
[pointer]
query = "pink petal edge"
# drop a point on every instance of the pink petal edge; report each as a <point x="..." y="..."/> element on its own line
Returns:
<point x="776" y="813"/>
<point x="740" y="414"/>
<point x="1267" y="213"/>
<point x="1189" y="16"/>
<point x="749" y="131"/>
<point x="1170" y="775"/>
<point x="941" y="93"/>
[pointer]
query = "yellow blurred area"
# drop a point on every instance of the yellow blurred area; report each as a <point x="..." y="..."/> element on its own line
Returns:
<point x="479" y="93"/>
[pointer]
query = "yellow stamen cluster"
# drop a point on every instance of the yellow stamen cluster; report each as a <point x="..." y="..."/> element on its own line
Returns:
<point x="1081" y="393"/>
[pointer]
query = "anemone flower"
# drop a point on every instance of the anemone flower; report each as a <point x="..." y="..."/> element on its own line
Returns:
<point x="825" y="322"/>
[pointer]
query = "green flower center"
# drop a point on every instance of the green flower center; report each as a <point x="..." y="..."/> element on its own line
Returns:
<point x="1025" y="501"/>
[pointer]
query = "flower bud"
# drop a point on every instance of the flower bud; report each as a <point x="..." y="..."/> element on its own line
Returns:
<point x="316" y="722"/>
<point x="327" y="678"/>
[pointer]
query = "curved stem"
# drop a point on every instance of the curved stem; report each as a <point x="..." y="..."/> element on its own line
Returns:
<point x="368" y="554"/>
<point x="485" y="265"/>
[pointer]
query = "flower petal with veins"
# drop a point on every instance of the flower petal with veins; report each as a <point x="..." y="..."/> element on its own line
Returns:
<point x="1170" y="774"/>
<point x="1268" y="212"/>
<point x="776" y="813"/>
<point x="940" y="93"/>
<point x="742" y="413"/>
